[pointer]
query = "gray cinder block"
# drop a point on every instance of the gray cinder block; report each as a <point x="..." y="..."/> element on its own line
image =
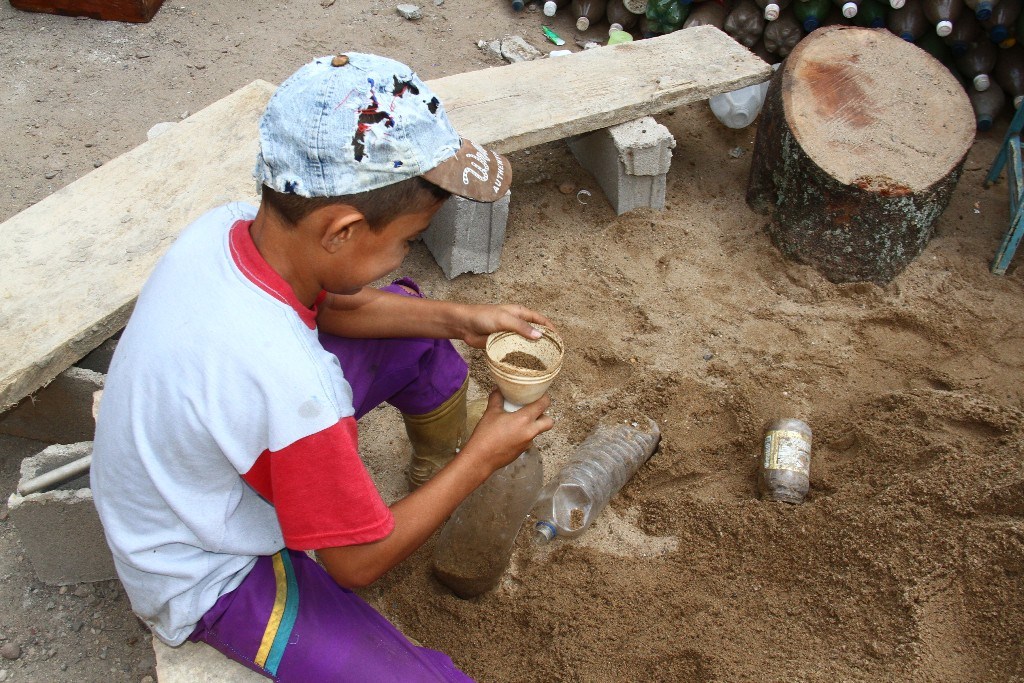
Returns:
<point x="60" y="528"/>
<point x="630" y="162"/>
<point x="467" y="236"/>
<point x="60" y="412"/>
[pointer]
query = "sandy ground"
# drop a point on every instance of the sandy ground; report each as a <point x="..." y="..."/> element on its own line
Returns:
<point x="907" y="560"/>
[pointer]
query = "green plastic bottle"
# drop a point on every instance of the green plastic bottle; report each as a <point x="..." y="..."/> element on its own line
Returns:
<point x="811" y="13"/>
<point x="871" y="14"/>
<point x="666" y="16"/>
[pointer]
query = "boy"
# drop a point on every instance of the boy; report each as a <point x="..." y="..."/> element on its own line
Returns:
<point x="226" y="440"/>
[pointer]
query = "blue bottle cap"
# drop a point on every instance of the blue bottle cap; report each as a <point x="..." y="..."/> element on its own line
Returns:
<point x="811" y="23"/>
<point x="984" y="124"/>
<point x="518" y="5"/>
<point x="999" y="34"/>
<point x="983" y="11"/>
<point x="907" y="36"/>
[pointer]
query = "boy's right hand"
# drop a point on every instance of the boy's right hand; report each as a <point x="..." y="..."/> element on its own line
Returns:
<point x="500" y="437"/>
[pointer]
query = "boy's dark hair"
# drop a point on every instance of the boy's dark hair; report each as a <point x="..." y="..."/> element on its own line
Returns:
<point x="379" y="207"/>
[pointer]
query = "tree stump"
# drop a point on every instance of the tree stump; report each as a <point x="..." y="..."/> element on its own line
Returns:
<point x="859" y="147"/>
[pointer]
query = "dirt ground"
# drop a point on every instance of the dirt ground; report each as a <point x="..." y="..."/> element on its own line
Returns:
<point x="906" y="563"/>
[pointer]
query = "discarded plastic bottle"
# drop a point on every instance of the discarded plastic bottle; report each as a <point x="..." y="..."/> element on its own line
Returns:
<point x="552" y="6"/>
<point x="812" y="13"/>
<point x="908" y="22"/>
<point x="782" y="35"/>
<point x="1009" y="73"/>
<point x="637" y="7"/>
<point x="601" y="465"/>
<point x="785" y="468"/>
<point x="745" y="23"/>
<point x="942" y="14"/>
<point x="772" y="8"/>
<point x="1002" y="22"/>
<point x="934" y="45"/>
<point x="665" y="16"/>
<point x="987" y="105"/>
<point x="870" y="14"/>
<point x="587" y="12"/>
<point x="476" y="543"/>
<point x="616" y="13"/>
<point x="977" y="63"/>
<point x="982" y="8"/>
<point x="965" y="31"/>
<point x="848" y="7"/>
<point x="739" y="108"/>
<point x="762" y="52"/>
<point x="616" y="37"/>
<point x="708" y="13"/>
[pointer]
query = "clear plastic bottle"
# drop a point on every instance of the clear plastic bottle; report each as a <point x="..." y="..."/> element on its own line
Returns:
<point x="709" y="13"/>
<point x="587" y="12"/>
<point x="987" y="105"/>
<point x="601" y="465"/>
<point x="943" y="14"/>
<point x="1003" y="20"/>
<point x="965" y="31"/>
<point x="476" y="543"/>
<point x="1009" y="73"/>
<point x="745" y="23"/>
<point x="739" y="108"/>
<point x="782" y="35"/>
<point x="785" y="468"/>
<point x="616" y="13"/>
<point x="908" y="22"/>
<point x="977" y="64"/>
<point x="982" y="8"/>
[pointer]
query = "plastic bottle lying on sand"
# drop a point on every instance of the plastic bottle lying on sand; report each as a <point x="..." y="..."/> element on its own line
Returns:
<point x="601" y="465"/>
<point x="784" y="474"/>
<point x="739" y="108"/>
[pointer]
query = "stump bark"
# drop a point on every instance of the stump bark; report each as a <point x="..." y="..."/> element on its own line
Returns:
<point x="859" y="147"/>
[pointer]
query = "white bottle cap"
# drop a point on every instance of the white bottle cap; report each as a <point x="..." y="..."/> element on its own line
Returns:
<point x="771" y="11"/>
<point x="850" y="10"/>
<point x="1017" y="100"/>
<point x="944" y="28"/>
<point x="981" y="82"/>
<point x="582" y="24"/>
<point x="550" y="8"/>
<point x="613" y="28"/>
<point x="896" y="4"/>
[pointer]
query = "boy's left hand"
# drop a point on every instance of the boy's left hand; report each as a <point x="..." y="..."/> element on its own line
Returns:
<point x="482" y="320"/>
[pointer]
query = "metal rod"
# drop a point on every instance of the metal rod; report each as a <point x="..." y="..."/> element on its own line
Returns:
<point x="56" y="476"/>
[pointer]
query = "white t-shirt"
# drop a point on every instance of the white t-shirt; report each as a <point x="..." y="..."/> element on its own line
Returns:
<point x="225" y="431"/>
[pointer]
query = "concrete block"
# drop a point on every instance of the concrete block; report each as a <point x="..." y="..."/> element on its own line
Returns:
<point x="60" y="412"/>
<point x="199" y="663"/>
<point x="98" y="360"/>
<point x="630" y="162"/>
<point x="60" y="528"/>
<point x="467" y="236"/>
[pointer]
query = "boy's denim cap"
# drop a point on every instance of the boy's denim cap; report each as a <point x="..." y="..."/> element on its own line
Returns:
<point x="356" y="122"/>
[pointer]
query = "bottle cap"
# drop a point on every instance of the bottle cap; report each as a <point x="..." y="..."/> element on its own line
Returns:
<point x="518" y="5"/>
<point x="907" y="36"/>
<point x="983" y="11"/>
<point x="613" y="28"/>
<point x="984" y="123"/>
<point x="944" y="28"/>
<point x="999" y="33"/>
<point x="896" y="4"/>
<point x="850" y="10"/>
<point x="582" y="24"/>
<point x="550" y="8"/>
<point x="545" y="531"/>
<point x="771" y="11"/>
<point x="982" y="82"/>
<point x="811" y="23"/>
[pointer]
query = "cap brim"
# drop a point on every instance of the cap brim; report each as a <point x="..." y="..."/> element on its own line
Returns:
<point x="474" y="173"/>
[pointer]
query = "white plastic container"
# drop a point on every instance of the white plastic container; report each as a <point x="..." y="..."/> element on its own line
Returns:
<point x="602" y="464"/>
<point x="739" y="108"/>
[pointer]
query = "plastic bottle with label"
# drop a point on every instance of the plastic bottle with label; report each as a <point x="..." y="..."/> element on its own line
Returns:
<point x="476" y="543"/>
<point x="977" y="64"/>
<point x="1001" y="24"/>
<point x="551" y="7"/>
<point x="772" y="9"/>
<point x="812" y="13"/>
<point x="1009" y="73"/>
<point x="966" y="30"/>
<point x="664" y="16"/>
<point x="908" y="22"/>
<point x="602" y="464"/>
<point x="782" y="35"/>
<point x="587" y="12"/>
<point x="987" y="105"/>
<point x="785" y="466"/>
<point x="710" y="13"/>
<point x="982" y="8"/>
<point x="738" y="108"/>
<point x="870" y="14"/>
<point x="942" y="14"/>
<point x="745" y="23"/>
<point x="616" y="13"/>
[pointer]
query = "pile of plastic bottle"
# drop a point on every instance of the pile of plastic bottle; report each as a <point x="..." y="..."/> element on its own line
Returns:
<point x="981" y="42"/>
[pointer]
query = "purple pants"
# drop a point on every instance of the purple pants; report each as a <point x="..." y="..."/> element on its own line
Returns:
<point x="289" y="620"/>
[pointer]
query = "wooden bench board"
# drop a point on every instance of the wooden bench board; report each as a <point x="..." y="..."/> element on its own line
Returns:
<point x="73" y="264"/>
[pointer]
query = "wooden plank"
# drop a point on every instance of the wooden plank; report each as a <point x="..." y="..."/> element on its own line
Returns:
<point x="73" y="264"/>
<point x="136" y="11"/>
<point x="529" y="103"/>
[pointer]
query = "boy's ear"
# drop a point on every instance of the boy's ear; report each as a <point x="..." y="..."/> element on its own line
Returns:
<point x="339" y="223"/>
